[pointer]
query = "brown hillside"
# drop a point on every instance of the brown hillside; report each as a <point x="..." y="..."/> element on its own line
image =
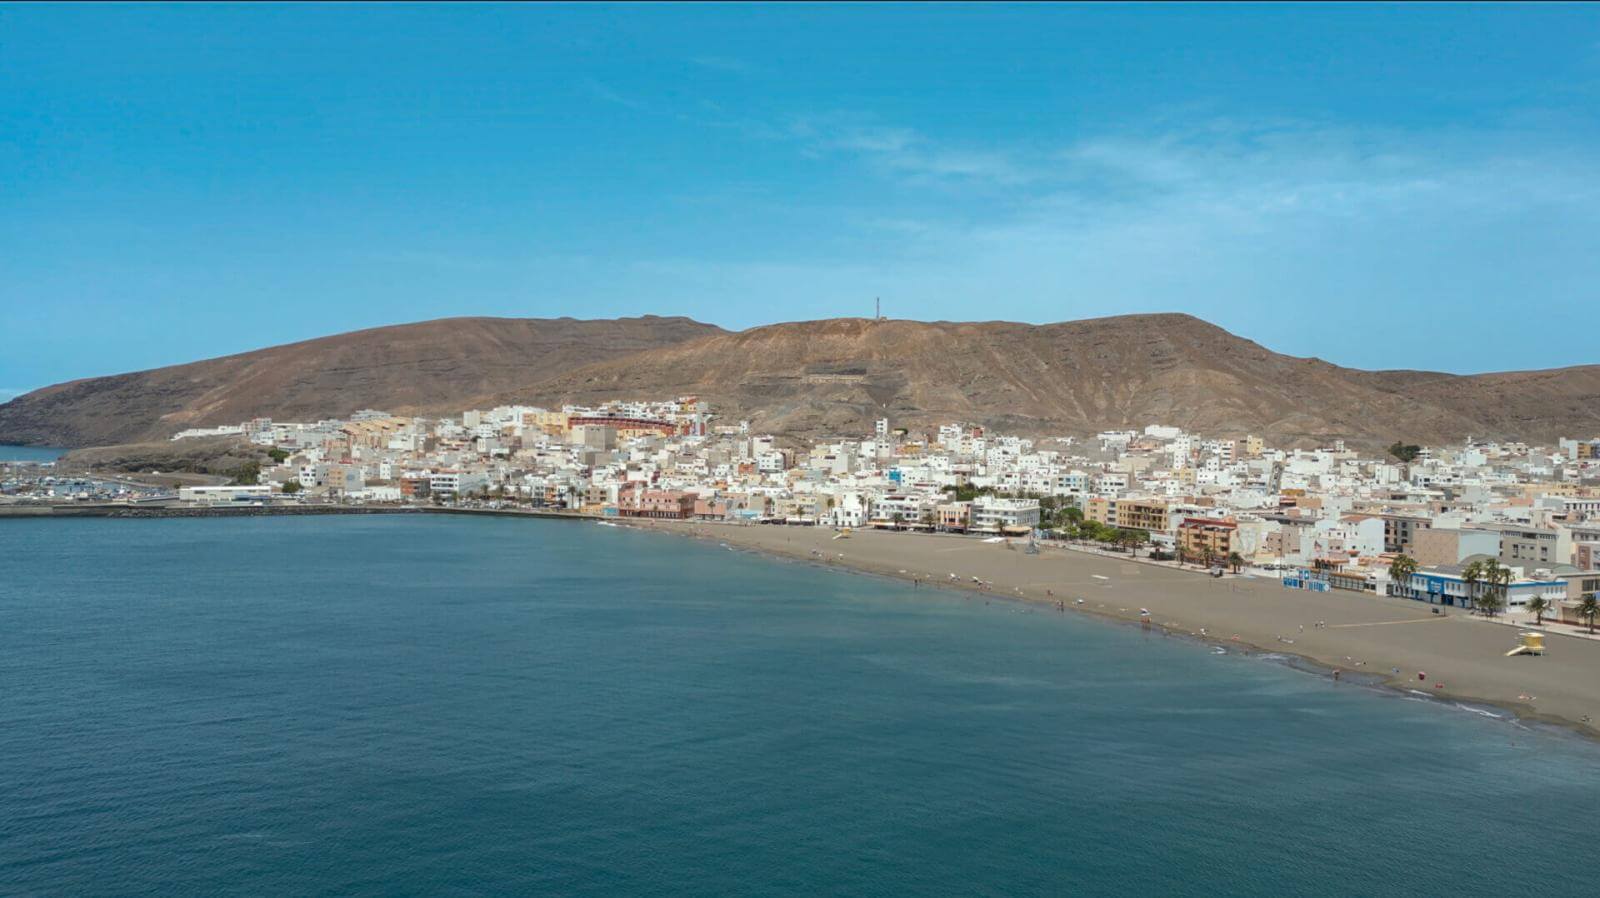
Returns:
<point x="431" y="365"/>
<point x="830" y="377"/>
<point x="835" y="376"/>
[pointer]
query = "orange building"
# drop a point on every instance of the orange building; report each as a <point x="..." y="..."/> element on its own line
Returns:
<point x="674" y="504"/>
<point x="1200" y="539"/>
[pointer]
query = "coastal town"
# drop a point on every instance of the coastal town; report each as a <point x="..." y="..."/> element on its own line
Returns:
<point x="1502" y="528"/>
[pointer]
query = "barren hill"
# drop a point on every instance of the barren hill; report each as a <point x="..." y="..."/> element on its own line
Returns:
<point x="835" y="376"/>
<point x="830" y="377"/>
<point x="431" y="365"/>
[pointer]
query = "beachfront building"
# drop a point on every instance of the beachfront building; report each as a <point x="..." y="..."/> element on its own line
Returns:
<point x="1447" y="585"/>
<point x="225" y="495"/>
<point x="674" y="505"/>
<point x="1141" y="514"/>
<point x="903" y="510"/>
<point x="1206" y="540"/>
<point x="998" y="515"/>
<point x="954" y="517"/>
<point x="456" y="483"/>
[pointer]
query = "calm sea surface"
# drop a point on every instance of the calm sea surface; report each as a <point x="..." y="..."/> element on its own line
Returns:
<point x="456" y="706"/>
<point x="29" y="453"/>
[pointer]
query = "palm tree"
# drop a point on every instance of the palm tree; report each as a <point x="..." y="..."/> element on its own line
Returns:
<point x="1472" y="575"/>
<point x="1538" y="606"/>
<point x="1236" y="561"/>
<point x="1401" y="569"/>
<point x="1137" y="538"/>
<point x="1494" y="579"/>
<point x="1500" y="578"/>
<point x="1588" y="608"/>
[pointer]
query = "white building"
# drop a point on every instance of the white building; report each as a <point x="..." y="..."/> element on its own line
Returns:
<point x="222" y="495"/>
<point x="992" y="513"/>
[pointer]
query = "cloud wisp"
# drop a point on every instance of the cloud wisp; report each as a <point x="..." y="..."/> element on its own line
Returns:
<point x="1311" y="237"/>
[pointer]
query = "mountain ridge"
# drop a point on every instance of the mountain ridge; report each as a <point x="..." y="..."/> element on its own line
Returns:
<point x="828" y="377"/>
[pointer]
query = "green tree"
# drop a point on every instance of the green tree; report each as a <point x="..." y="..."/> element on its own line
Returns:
<point x="1588" y="608"/>
<point x="1494" y="579"/>
<point x="1501" y="584"/>
<point x="1472" y="576"/>
<point x="1538" y="606"/>
<point x="1405" y="452"/>
<point x="1094" y="531"/>
<point x="1401" y="569"/>
<point x="247" y="473"/>
<point x="1236" y="561"/>
<point x="276" y="454"/>
<point x="290" y="487"/>
<point x="966" y="492"/>
<point x="1132" y="538"/>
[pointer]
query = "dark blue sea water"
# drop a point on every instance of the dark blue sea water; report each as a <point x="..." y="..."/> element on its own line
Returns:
<point x="29" y="453"/>
<point x="454" y="706"/>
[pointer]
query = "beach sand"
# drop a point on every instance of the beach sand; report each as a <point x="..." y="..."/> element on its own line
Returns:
<point x="1463" y="657"/>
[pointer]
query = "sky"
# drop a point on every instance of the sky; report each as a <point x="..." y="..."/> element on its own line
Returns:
<point x="1378" y="186"/>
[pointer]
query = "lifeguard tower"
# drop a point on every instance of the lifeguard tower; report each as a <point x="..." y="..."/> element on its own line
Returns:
<point x="1531" y="644"/>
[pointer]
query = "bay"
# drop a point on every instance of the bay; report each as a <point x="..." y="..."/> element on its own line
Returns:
<point x="458" y="706"/>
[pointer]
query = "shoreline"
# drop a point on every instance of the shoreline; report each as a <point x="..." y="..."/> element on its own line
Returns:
<point x="1463" y="654"/>
<point x="1363" y="638"/>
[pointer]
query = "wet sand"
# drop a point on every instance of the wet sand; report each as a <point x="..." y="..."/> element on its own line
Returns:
<point x="1362" y="636"/>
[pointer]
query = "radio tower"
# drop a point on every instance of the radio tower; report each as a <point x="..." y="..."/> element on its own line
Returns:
<point x="877" y="308"/>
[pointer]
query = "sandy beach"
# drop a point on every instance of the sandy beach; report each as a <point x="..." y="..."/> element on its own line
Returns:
<point x="1463" y="657"/>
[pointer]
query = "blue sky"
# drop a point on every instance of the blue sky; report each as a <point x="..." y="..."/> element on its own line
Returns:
<point x="1377" y="186"/>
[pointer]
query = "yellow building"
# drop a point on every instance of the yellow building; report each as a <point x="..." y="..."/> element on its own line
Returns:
<point x="552" y="423"/>
<point x="1200" y="539"/>
<point x="1142" y="514"/>
<point x="1101" y="510"/>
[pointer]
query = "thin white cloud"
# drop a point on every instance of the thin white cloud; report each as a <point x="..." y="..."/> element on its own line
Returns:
<point x="1313" y="239"/>
<point x="906" y="153"/>
<point x="601" y="91"/>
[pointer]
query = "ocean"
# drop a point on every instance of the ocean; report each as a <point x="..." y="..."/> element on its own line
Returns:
<point x="9" y="452"/>
<point x="422" y="705"/>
